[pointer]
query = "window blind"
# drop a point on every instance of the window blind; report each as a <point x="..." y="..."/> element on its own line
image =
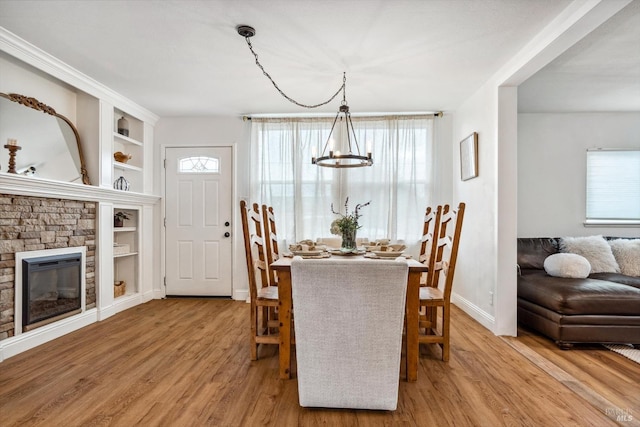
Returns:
<point x="613" y="185"/>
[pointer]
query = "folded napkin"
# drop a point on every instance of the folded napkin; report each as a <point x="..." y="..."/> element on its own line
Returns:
<point x="392" y="248"/>
<point x="386" y="247"/>
<point x="304" y="245"/>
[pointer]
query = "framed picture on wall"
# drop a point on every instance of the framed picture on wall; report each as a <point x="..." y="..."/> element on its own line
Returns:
<point x="469" y="157"/>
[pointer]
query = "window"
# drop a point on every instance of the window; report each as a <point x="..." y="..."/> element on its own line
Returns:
<point x="399" y="184"/>
<point x="613" y="186"/>
<point x="199" y="165"/>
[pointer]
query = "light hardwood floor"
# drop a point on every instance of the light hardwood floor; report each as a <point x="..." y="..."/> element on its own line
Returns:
<point x="185" y="362"/>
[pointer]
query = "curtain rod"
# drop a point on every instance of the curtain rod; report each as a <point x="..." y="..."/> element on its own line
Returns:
<point x="373" y="116"/>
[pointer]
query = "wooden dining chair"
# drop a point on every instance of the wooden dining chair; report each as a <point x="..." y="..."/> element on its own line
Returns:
<point x="428" y="242"/>
<point x="436" y="299"/>
<point x="263" y="297"/>
<point x="271" y="241"/>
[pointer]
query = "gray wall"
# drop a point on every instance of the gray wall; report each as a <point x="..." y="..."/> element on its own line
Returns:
<point x="552" y="169"/>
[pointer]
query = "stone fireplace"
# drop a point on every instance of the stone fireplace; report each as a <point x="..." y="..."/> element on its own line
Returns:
<point x="34" y="224"/>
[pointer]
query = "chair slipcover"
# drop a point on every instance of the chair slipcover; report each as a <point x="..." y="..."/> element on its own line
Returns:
<point x="349" y="321"/>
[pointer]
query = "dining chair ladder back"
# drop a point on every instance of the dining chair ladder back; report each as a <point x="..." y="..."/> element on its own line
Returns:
<point x="428" y="245"/>
<point x="263" y="297"/>
<point x="271" y="241"/>
<point x="436" y="299"/>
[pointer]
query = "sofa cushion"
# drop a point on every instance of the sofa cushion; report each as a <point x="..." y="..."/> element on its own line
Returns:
<point x="595" y="249"/>
<point x="567" y="265"/>
<point x="578" y="296"/>
<point x="627" y="255"/>
<point x="617" y="278"/>
<point x="532" y="251"/>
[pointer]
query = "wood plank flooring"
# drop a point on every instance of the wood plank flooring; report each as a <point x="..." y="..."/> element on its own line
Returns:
<point x="185" y="362"/>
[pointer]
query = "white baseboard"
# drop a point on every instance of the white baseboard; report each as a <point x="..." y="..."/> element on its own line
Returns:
<point x="119" y="304"/>
<point x="106" y="312"/>
<point x="127" y="301"/>
<point x="28" y="340"/>
<point x="148" y="296"/>
<point x="480" y="316"/>
<point x="241" y="295"/>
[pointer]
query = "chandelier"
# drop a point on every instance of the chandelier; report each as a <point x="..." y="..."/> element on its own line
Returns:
<point x="329" y="157"/>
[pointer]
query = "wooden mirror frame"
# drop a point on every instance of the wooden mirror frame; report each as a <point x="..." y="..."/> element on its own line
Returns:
<point x="39" y="106"/>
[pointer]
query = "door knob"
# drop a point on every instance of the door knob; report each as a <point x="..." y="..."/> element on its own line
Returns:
<point x="227" y="234"/>
<point x="226" y="224"/>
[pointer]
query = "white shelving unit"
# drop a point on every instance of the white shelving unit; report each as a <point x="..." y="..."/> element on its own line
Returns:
<point x="132" y="144"/>
<point x="126" y="262"/>
<point x="95" y="110"/>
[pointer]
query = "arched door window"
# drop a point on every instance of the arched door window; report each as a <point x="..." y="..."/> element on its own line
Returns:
<point x="199" y="165"/>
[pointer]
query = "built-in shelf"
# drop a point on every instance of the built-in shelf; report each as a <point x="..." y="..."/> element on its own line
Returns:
<point x="125" y="255"/>
<point x="126" y="166"/>
<point x="126" y="266"/>
<point x="126" y="295"/>
<point x="126" y="139"/>
<point x="132" y="145"/>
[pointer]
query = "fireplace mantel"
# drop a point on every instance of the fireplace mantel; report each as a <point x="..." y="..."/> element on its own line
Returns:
<point x="38" y="187"/>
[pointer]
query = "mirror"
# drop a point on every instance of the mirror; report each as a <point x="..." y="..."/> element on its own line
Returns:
<point x="49" y="142"/>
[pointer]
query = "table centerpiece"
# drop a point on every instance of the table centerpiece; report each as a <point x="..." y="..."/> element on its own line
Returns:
<point x="347" y="226"/>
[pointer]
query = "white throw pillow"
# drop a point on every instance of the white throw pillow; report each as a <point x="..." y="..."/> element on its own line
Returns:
<point x="567" y="265"/>
<point x="627" y="254"/>
<point x="595" y="249"/>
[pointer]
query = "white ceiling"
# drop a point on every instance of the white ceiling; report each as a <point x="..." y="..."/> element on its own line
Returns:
<point x="184" y="58"/>
<point x="600" y="73"/>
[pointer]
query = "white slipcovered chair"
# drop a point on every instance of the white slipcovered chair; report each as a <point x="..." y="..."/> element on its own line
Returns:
<point x="349" y="321"/>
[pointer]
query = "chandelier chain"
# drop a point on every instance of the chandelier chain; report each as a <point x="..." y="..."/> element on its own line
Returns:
<point x="340" y="89"/>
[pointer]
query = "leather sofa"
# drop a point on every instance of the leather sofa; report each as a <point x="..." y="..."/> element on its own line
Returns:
<point x="602" y="308"/>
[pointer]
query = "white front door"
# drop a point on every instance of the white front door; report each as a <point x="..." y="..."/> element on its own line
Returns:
<point x="198" y="221"/>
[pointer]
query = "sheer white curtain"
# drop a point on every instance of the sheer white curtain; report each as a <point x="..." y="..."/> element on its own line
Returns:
<point x="399" y="184"/>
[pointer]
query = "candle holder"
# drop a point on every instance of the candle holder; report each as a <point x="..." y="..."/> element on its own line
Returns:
<point x="12" y="157"/>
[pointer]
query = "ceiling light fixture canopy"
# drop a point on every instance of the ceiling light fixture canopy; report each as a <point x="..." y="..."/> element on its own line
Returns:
<point x="328" y="157"/>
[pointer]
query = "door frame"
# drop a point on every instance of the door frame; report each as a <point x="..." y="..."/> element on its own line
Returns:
<point x="235" y="294"/>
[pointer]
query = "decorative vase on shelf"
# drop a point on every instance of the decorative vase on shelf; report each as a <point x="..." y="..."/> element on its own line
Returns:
<point x="123" y="126"/>
<point x="121" y="184"/>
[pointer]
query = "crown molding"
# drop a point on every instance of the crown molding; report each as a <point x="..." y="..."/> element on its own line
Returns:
<point x="41" y="60"/>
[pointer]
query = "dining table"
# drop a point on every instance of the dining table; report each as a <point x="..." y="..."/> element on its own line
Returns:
<point x="412" y="308"/>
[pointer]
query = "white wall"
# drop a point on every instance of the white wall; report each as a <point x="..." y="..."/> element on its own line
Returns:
<point x="443" y="160"/>
<point x="475" y="275"/>
<point x="552" y="169"/>
<point x="18" y="77"/>
<point x="211" y="131"/>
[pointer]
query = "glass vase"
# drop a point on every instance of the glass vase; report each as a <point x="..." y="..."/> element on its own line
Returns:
<point x="349" y="241"/>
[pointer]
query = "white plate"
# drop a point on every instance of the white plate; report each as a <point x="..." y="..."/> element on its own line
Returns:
<point x="307" y="253"/>
<point x="388" y="254"/>
<point x="339" y="252"/>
